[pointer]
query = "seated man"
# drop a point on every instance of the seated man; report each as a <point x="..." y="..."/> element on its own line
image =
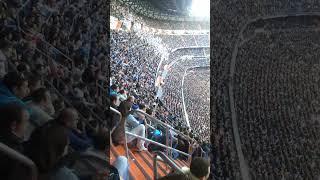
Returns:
<point x="42" y="109"/>
<point x="130" y="124"/>
<point x="114" y="101"/>
<point x="12" y="128"/>
<point x="13" y="88"/>
<point x="14" y="119"/>
<point x="122" y="95"/>
<point x="114" y="90"/>
<point x="79" y="141"/>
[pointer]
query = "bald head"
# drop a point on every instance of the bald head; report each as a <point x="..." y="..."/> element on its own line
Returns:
<point x="69" y="118"/>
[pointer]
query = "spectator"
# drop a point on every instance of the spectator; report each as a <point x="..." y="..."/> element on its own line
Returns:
<point x="13" y="88"/>
<point x="200" y="168"/>
<point x="131" y="125"/>
<point x="114" y="101"/>
<point x="42" y="109"/>
<point x="122" y="95"/>
<point x="14" y="119"/>
<point x="78" y="139"/>
<point x="114" y="90"/>
<point x="34" y="83"/>
<point x="47" y="146"/>
<point x="102" y="148"/>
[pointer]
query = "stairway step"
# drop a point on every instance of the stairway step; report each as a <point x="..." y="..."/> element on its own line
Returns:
<point x="144" y="156"/>
<point x="165" y="167"/>
<point x="183" y="163"/>
<point x="142" y="165"/>
<point x="178" y="163"/>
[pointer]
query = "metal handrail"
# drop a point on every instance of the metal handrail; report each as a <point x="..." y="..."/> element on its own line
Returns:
<point x="167" y="160"/>
<point x="156" y="143"/>
<point x="164" y="124"/>
<point x="21" y="158"/>
<point x="167" y="136"/>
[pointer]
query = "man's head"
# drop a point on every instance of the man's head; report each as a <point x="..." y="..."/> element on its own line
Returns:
<point x="131" y="99"/>
<point x="200" y="168"/>
<point x="42" y="97"/>
<point x="17" y="84"/>
<point x="115" y="88"/>
<point x="34" y="83"/>
<point x="23" y="68"/>
<point x="122" y="91"/>
<point x="69" y="118"/>
<point x="143" y="107"/>
<point x="14" y="119"/>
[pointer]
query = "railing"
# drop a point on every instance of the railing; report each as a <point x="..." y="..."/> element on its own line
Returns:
<point x="148" y="140"/>
<point x="156" y="143"/>
<point x="20" y="158"/>
<point x="166" y="160"/>
<point x="168" y="127"/>
<point x="165" y="125"/>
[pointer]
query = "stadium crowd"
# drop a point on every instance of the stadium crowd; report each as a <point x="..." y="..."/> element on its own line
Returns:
<point x="195" y="94"/>
<point x="260" y="82"/>
<point x="53" y="72"/>
<point x="278" y="133"/>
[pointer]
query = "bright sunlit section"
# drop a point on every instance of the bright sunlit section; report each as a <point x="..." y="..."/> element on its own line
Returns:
<point x="200" y="8"/>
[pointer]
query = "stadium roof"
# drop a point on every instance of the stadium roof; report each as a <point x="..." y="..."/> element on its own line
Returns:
<point x="170" y="10"/>
<point x="177" y="7"/>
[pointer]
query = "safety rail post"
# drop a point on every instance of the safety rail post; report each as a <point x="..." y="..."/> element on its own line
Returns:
<point x="171" y="142"/>
<point x="167" y="150"/>
<point x="167" y="161"/>
<point x="155" y="167"/>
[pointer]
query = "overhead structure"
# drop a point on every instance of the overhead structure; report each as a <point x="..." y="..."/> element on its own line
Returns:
<point x="168" y="10"/>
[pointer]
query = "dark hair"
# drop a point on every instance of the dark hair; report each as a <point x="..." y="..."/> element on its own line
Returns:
<point x="102" y="140"/>
<point x="46" y="146"/>
<point x="39" y="95"/>
<point x="199" y="167"/>
<point x="149" y="111"/>
<point x="10" y="113"/>
<point x="141" y="106"/>
<point x="32" y="80"/>
<point x="13" y="79"/>
<point x="65" y="115"/>
<point x="114" y="87"/>
<point x="22" y="67"/>
<point x="124" y="108"/>
<point x="121" y="91"/>
<point x="113" y="98"/>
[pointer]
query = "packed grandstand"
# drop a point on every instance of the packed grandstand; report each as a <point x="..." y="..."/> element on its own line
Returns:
<point x="57" y="85"/>
<point x="266" y="88"/>
<point x="151" y="66"/>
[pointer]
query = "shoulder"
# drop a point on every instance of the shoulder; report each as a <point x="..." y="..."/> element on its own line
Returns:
<point x="64" y="173"/>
